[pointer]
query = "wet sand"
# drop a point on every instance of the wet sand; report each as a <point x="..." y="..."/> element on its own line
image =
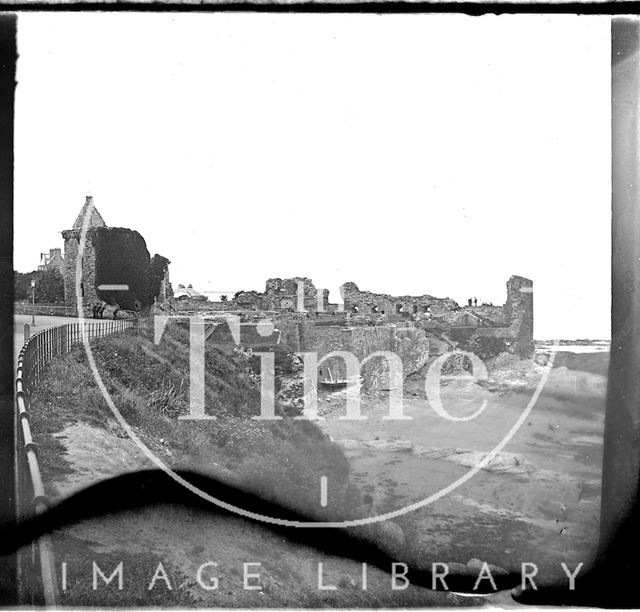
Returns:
<point x="537" y="502"/>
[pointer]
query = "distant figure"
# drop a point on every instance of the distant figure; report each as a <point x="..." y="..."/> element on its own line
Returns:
<point x="95" y="310"/>
<point x="115" y="313"/>
<point x="475" y="301"/>
<point x="469" y="301"/>
<point x="101" y="310"/>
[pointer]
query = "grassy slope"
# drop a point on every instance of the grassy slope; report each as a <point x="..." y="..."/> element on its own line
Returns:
<point x="281" y="460"/>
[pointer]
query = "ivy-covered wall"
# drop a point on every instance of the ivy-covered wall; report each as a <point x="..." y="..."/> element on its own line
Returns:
<point x="122" y="258"/>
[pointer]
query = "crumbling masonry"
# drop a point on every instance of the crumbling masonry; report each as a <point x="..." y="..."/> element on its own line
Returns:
<point x="416" y="330"/>
<point x="71" y="249"/>
<point x="88" y="265"/>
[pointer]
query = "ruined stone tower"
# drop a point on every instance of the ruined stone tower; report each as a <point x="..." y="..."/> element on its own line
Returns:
<point x="518" y="312"/>
<point x="71" y="247"/>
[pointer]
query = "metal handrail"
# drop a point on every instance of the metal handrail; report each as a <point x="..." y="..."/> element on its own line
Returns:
<point x="31" y="497"/>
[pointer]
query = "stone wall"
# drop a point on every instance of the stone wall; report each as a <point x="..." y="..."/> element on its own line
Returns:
<point x="479" y="316"/>
<point x="71" y="242"/>
<point x="413" y="347"/>
<point x="494" y="313"/>
<point x="187" y="306"/>
<point x="408" y="342"/>
<point x="71" y="247"/>
<point x="463" y="334"/>
<point x="366" y="302"/>
<point x="281" y="295"/>
<point x="249" y="336"/>
<point x="166" y="290"/>
<point x="512" y="322"/>
<point x="299" y="334"/>
<point x="87" y="281"/>
<point x="368" y="330"/>
<point x="518" y="312"/>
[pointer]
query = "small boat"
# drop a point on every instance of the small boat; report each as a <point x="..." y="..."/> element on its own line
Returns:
<point x="334" y="383"/>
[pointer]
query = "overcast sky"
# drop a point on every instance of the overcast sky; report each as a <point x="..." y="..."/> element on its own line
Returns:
<point x="409" y="154"/>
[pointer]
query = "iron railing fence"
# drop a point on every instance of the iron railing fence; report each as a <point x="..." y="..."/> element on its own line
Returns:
<point x="37" y="581"/>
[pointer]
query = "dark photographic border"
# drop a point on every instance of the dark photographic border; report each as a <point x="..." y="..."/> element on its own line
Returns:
<point x="611" y="581"/>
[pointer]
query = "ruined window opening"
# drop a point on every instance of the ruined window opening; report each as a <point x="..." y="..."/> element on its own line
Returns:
<point x="399" y="308"/>
<point x="82" y="289"/>
<point x="415" y="309"/>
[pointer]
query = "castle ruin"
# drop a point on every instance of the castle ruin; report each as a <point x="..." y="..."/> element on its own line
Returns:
<point x="71" y="238"/>
<point x="415" y="328"/>
<point x="365" y="302"/>
<point x="71" y="248"/>
<point x="282" y="295"/>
